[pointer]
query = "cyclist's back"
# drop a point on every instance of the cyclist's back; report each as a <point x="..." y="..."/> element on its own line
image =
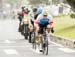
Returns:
<point x="43" y="20"/>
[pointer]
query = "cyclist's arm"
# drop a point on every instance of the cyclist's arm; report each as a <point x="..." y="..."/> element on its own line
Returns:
<point x="50" y="21"/>
<point x="31" y="16"/>
<point x="36" y="22"/>
<point x="38" y="19"/>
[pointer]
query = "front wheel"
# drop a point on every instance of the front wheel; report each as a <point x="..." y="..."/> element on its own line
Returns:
<point x="45" y="48"/>
<point x="26" y="36"/>
<point x="26" y="31"/>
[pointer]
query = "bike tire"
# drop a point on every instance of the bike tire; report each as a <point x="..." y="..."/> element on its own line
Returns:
<point x="45" y="45"/>
<point x="34" y="42"/>
<point x="26" y="32"/>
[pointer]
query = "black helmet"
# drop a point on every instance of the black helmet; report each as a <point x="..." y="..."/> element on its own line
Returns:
<point x="23" y="7"/>
<point x="28" y="10"/>
<point x="34" y="9"/>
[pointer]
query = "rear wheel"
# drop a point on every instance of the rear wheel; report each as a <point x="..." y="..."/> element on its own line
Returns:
<point x="26" y="36"/>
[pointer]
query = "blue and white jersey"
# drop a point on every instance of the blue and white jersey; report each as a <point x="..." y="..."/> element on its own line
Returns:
<point x="43" y="20"/>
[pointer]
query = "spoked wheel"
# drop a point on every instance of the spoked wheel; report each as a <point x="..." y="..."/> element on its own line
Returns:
<point x="26" y="31"/>
<point x="33" y="40"/>
<point x="34" y="45"/>
<point x="45" y="48"/>
<point x="45" y="44"/>
<point x="30" y="35"/>
<point x="26" y="36"/>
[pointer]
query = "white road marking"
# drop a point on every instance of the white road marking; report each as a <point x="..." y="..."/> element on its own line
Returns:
<point x="62" y="48"/>
<point x="56" y="44"/>
<point x="10" y="51"/>
<point x="52" y="45"/>
<point x="36" y="51"/>
<point x="13" y="46"/>
<point x="7" y="41"/>
<point x="67" y="50"/>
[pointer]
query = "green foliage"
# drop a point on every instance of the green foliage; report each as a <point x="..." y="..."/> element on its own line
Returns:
<point x="12" y="1"/>
<point x="43" y="1"/>
<point x="55" y="1"/>
<point x="72" y="15"/>
<point x="71" y="2"/>
<point x="64" y="26"/>
<point x="38" y="1"/>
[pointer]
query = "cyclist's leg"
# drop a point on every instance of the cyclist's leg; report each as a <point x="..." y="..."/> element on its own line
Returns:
<point x="48" y="33"/>
<point x="40" y="32"/>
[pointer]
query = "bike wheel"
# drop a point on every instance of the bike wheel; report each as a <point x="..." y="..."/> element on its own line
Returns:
<point x="34" y="41"/>
<point x="45" y="45"/>
<point x="26" y="32"/>
<point x="30" y="35"/>
<point x="45" y="48"/>
<point x="26" y="37"/>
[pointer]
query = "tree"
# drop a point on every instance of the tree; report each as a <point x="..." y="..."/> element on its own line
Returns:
<point x="72" y="3"/>
<point x="55" y="1"/>
<point x="13" y="3"/>
<point x="37" y="2"/>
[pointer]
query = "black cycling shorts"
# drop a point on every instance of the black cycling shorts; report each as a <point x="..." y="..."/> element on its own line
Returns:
<point x="41" y="27"/>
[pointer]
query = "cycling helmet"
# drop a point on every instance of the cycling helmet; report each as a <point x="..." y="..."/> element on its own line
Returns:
<point x="23" y="7"/>
<point x="34" y="9"/>
<point x="45" y="13"/>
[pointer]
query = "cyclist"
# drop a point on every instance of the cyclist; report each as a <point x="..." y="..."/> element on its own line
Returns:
<point x="26" y="23"/>
<point x="20" y="16"/>
<point x="26" y="16"/>
<point x="43" y="20"/>
<point x="33" y="14"/>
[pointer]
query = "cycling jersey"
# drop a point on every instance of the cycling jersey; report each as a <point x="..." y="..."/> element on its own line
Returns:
<point x="40" y="17"/>
<point x="43" y="21"/>
<point x="39" y="10"/>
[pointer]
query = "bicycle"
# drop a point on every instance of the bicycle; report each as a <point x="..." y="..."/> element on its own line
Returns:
<point x="25" y="28"/>
<point x="45" y="42"/>
<point x="32" y="37"/>
<point x="44" y="38"/>
<point x="33" y="40"/>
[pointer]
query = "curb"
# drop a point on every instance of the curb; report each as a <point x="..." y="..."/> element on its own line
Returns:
<point x="63" y="41"/>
